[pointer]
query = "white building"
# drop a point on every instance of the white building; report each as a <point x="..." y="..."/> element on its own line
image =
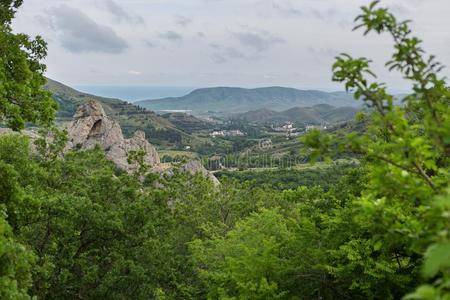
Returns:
<point x="223" y="133"/>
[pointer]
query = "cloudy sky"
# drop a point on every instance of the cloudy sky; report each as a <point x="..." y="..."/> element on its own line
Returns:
<point x="217" y="42"/>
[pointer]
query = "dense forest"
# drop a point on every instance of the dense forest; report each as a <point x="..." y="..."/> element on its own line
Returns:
<point x="72" y="226"/>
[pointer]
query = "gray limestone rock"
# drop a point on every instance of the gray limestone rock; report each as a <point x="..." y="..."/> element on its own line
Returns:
<point x="91" y="127"/>
<point x="195" y="167"/>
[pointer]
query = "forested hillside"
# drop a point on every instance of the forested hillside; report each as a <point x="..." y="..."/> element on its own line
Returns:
<point x="321" y="113"/>
<point x="73" y="226"/>
<point x="131" y="117"/>
<point x="235" y="100"/>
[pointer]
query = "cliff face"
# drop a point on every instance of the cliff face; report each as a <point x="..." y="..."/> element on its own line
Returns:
<point x="91" y="127"/>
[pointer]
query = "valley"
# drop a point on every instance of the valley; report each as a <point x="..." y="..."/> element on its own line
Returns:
<point x="261" y="139"/>
<point x="238" y="100"/>
<point x="223" y="192"/>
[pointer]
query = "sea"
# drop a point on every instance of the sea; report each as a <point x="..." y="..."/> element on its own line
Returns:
<point x="135" y="93"/>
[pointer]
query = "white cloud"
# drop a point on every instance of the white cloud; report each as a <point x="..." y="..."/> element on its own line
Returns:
<point x="134" y="72"/>
<point x="252" y="38"/>
<point x="121" y="15"/>
<point x="78" y="33"/>
<point x="182" y="20"/>
<point x="171" y="36"/>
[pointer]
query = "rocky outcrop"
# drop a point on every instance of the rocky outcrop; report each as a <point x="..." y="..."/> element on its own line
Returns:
<point x="5" y="131"/>
<point x="91" y="127"/>
<point x="118" y="153"/>
<point x="31" y="133"/>
<point x="195" y="167"/>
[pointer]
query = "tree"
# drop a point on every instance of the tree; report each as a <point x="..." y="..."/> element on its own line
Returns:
<point x="15" y="264"/>
<point x="406" y="151"/>
<point x="16" y="258"/>
<point x="250" y="262"/>
<point x="21" y="74"/>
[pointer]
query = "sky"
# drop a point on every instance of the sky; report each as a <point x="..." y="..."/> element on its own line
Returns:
<point x="248" y="43"/>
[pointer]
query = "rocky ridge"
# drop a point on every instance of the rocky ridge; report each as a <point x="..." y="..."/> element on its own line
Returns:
<point x="91" y="127"/>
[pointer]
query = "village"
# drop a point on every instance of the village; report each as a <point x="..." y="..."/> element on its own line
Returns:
<point x="288" y="128"/>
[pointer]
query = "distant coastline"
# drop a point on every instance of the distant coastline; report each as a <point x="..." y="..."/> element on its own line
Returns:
<point x="175" y="111"/>
<point x="135" y="93"/>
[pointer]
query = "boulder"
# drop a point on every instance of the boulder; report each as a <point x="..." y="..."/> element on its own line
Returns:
<point x="118" y="153"/>
<point x="195" y="167"/>
<point x="5" y="131"/>
<point x="91" y="126"/>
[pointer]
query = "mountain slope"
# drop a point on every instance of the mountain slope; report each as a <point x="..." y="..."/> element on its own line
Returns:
<point x="235" y="100"/>
<point x="159" y="130"/>
<point x="188" y="122"/>
<point x="316" y="114"/>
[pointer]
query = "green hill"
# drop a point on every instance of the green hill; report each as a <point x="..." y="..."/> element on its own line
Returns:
<point x="159" y="130"/>
<point x="236" y="100"/>
<point x="316" y="114"/>
<point x="187" y="122"/>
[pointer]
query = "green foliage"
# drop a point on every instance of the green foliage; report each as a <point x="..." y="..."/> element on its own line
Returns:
<point x="73" y="226"/>
<point x="279" y="252"/>
<point x="285" y="179"/>
<point x="138" y="158"/>
<point x="98" y="233"/>
<point x="255" y="260"/>
<point x="317" y="114"/>
<point x="21" y="74"/>
<point x="406" y="151"/>
<point x="436" y="265"/>
<point x="51" y="143"/>
<point x="15" y="265"/>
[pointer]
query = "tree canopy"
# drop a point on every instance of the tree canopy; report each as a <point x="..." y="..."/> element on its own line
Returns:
<point x="74" y="226"/>
<point x="22" y="98"/>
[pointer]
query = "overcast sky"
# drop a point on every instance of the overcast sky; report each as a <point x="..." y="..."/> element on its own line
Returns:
<point x="218" y="42"/>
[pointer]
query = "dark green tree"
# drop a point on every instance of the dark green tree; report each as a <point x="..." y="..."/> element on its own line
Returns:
<point x="406" y="150"/>
<point x="22" y="98"/>
<point x="15" y="264"/>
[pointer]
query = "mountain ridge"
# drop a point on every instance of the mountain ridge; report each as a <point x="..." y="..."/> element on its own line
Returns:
<point x="315" y="115"/>
<point x="131" y="117"/>
<point x="237" y="99"/>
